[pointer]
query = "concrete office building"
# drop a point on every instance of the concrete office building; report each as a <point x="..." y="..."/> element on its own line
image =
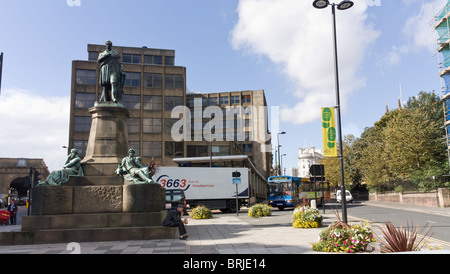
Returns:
<point x="154" y="86"/>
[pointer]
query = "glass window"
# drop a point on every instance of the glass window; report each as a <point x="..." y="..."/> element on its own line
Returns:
<point x="133" y="79"/>
<point x="223" y="100"/>
<point x="81" y="145"/>
<point x="174" y="81"/>
<point x="234" y="99"/>
<point x="131" y="101"/>
<point x="169" y="60"/>
<point x="131" y="58"/>
<point x="84" y="100"/>
<point x="153" y="80"/>
<point x="134" y="125"/>
<point x="152" y="102"/>
<point x="82" y="124"/>
<point x="153" y="60"/>
<point x="174" y="149"/>
<point x="86" y="77"/>
<point x="172" y="101"/>
<point x="212" y="101"/>
<point x="136" y="145"/>
<point x="197" y="151"/>
<point x="151" y="149"/>
<point x="93" y="56"/>
<point x="152" y="125"/>
<point x="246" y="98"/>
<point x="168" y="124"/>
<point x="220" y="150"/>
<point x="247" y="147"/>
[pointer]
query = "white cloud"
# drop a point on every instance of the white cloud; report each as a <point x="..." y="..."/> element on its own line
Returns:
<point x="418" y="31"/>
<point x="298" y="38"/>
<point x="34" y="126"/>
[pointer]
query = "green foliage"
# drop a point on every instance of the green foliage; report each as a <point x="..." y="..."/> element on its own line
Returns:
<point x="260" y="210"/>
<point x="306" y="217"/>
<point x="404" y="145"/>
<point x="201" y="212"/>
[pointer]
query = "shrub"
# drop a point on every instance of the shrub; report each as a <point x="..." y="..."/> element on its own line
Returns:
<point x="201" y="212"/>
<point x="403" y="239"/>
<point x="341" y="237"/>
<point x="260" y="210"/>
<point x="306" y="217"/>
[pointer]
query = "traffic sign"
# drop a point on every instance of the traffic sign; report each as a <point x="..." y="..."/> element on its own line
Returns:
<point x="236" y="181"/>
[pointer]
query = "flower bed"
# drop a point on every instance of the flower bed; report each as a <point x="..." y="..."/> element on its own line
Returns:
<point x="341" y="237"/>
<point x="260" y="210"/>
<point x="201" y="212"/>
<point x="306" y="217"/>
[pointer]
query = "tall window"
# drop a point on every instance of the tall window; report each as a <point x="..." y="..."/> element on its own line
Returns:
<point x="197" y="151"/>
<point x="152" y="102"/>
<point x="172" y="101"/>
<point x="152" y="125"/>
<point x="86" y="77"/>
<point x="168" y="124"/>
<point x="169" y="60"/>
<point x="223" y="100"/>
<point x="151" y="149"/>
<point x="153" y="60"/>
<point x="174" y="149"/>
<point x="131" y="101"/>
<point x="174" y="81"/>
<point x="82" y="123"/>
<point x="131" y="58"/>
<point x="81" y="145"/>
<point x="84" y="100"/>
<point x="134" y="125"/>
<point x="234" y="99"/>
<point x="93" y="55"/>
<point x="153" y="80"/>
<point x="246" y="98"/>
<point x="133" y="79"/>
<point x="212" y="101"/>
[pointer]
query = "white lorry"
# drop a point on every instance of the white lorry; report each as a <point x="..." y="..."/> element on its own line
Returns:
<point x="212" y="187"/>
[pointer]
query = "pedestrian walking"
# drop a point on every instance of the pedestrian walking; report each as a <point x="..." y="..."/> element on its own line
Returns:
<point x="12" y="208"/>
<point x="173" y="219"/>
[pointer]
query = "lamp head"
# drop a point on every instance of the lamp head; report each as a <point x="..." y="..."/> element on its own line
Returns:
<point x="320" y="4"/>
<point x="344" y="5"/>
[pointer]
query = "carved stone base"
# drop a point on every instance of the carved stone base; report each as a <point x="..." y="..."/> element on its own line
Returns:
<point x="57" y="200"/>
<point x="108" y="139"/>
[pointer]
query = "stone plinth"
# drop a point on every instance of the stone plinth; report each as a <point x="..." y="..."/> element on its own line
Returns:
<point x="57" y="200"/>
<point x="108" y="139"/>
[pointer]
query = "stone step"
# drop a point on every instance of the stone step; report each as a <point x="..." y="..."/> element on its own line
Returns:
<point x="87" y="235"/>
<point x="84" y="221"/>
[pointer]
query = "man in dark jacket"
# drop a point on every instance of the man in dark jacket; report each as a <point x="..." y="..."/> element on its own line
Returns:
<point x="12" y="208"/>
<point x="173" y="218"/>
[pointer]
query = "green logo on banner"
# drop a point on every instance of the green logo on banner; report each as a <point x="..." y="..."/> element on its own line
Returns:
<point x="331" y="134"/>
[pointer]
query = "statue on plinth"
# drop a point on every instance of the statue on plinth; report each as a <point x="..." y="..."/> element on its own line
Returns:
<point x="72" y="167"/>
<point x="133" y="171"/>
<point x="112" y="77"/>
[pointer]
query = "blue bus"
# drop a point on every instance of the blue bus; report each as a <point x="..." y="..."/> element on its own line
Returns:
<point x="289" y="191"/>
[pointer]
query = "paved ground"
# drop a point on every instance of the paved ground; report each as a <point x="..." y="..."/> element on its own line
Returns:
<point x="223" y="234"/>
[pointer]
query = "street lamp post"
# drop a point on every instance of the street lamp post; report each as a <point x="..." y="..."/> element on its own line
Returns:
<point x="320" y="4"/>
<point x="279" y="152"/>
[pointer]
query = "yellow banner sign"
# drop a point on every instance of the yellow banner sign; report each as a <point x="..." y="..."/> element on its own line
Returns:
<point x="329" y="132"/>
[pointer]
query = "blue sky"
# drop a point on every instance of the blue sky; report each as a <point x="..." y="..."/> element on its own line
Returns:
<point x="281" y="46"/>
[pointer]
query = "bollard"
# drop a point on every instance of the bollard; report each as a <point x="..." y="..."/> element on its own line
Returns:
<point x="313" y="204"/>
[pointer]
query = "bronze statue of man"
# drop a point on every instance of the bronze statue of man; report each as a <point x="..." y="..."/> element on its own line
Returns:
<point x="112" y="77"/>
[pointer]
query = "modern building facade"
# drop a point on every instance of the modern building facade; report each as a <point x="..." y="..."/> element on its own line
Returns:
<point x="155" y="86"/>
<point x="306" y="158"/>
<point x="442" y="26"/>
